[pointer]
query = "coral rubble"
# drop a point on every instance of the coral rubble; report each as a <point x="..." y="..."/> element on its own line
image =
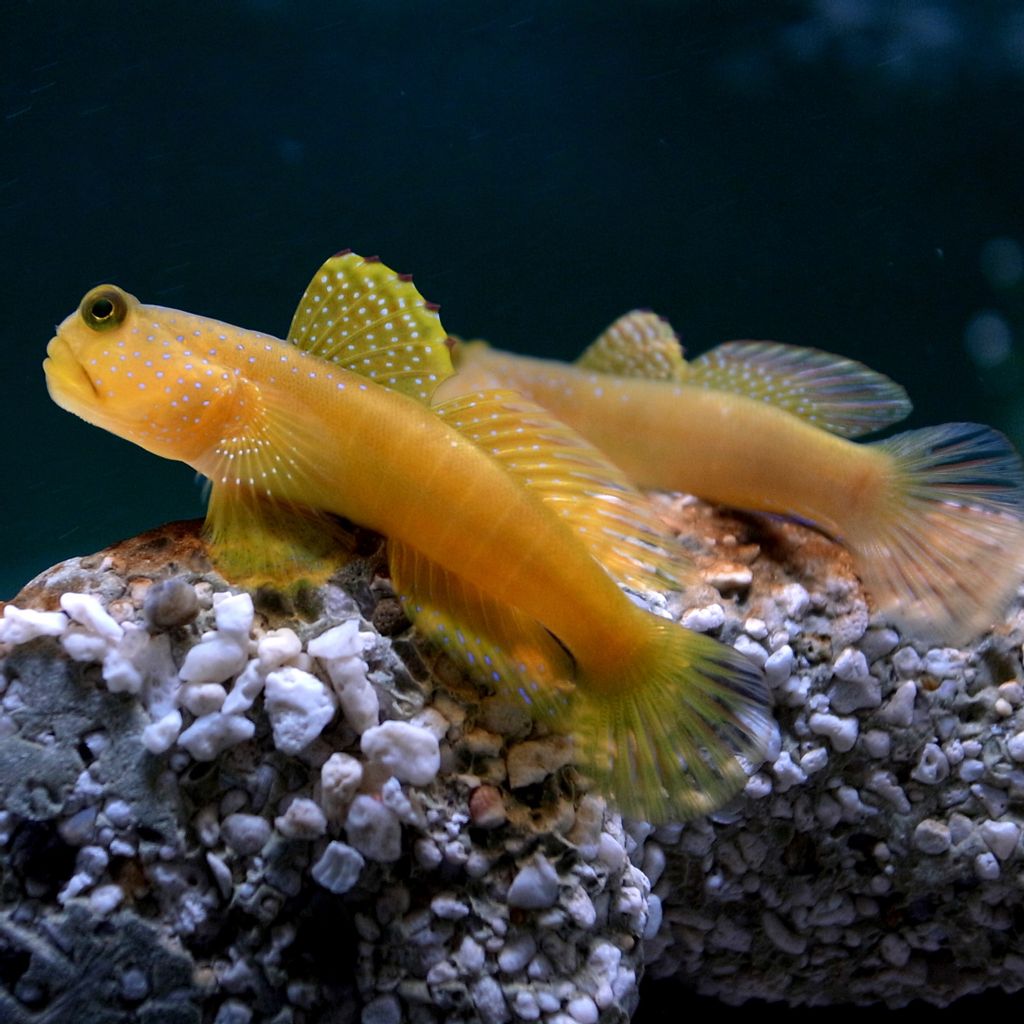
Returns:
<point x="245" y="808"/>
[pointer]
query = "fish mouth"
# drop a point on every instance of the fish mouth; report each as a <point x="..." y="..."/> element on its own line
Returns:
<point x="66" y="377"/>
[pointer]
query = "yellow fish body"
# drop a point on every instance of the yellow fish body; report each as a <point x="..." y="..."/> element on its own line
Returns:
<point x="483" y="501"/>
<point x="933" y="517"/>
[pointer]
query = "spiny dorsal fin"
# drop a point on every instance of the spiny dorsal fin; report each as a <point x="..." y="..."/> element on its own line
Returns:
<point x="363" y="316"/>
<point x="495" y="642"/>
<point x="638" y="344"/>
<point x="614" y="520"/>
<point x="839" y="395"/>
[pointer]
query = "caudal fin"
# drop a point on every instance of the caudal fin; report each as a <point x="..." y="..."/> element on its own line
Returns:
<point x="946" y="551"/>
<point x="668" y="735"/>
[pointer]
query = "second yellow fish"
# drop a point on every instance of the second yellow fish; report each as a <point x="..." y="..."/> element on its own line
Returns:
<point x="934" y="517"/>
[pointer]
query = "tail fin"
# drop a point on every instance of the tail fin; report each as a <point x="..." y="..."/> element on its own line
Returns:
<point x="666" y="736"/>
<point x="946" y="552"/>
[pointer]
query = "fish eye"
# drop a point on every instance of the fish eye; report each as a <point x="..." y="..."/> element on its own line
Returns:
<point x="104" y="308"/>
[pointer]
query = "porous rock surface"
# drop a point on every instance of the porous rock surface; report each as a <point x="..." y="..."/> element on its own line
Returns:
<point x="233" y="808"/>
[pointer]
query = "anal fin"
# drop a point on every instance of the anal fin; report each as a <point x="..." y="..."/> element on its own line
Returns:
<point x="497" y="644"/>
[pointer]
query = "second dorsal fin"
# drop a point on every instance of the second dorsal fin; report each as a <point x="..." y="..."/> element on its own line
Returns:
<point x="638" y="344"/>
<point x="837" y="394"/>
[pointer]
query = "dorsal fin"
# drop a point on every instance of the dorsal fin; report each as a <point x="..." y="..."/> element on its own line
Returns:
<point x="837" y="394"/>
<point x="638" y="344"/>
<point x="614" y="520"/>
<point x="363" y="316"/>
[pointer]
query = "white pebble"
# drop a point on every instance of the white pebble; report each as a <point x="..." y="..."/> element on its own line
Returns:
<point x="19" y="625"/>
<point x="752" y="649"/>
<point x="203" y="698"/>
<point x="894" y="950"/>
<point x="851" y="665"/>
<point x="610" y="852"/>
<point x="374" y="830"/>
<point x="583" y="1009"/>
<point x="406" y="751"/>
<point x="535" y="886"/>
<point x="87" y="611"/>
<point x="340" y="776"/>
<point x="448" y="908"/>
<point x="517" y="953"/>
<point x="907" y="662"/>
<point x="160" y="735"/>
<point x="245" y="833"/>
<point x="303" y="819"/>
<point x="82" y="645"/>
<point x="1015" y="746"/>
<point x="986" y="867"/>
<point x="794" y="600"/>
<point x="106" y="899"/>
<point x="213" y="660"/>
<point x="278" y="647"/>
<point x="211" y="735"/>
<point x="1001" y="837"/>
<point x="488" y="1000"/>
<point x="358" y="699"/>
<point x="470" y="956"/>
<point x="814" y="760"/>
<point x="932" y="767"/>
<point x="120" y="673"/>
<point x="841" y="732"/>
<point x="247" y="687"/>
<point x="755" y="628"/>
<point x="787" y="772"/>
<point x="932" y="837"/>
<point x="338" y="868"/>
<point x="344" y="641"/>
<point x="299" y="707"/>
<point x="394" y="797"/>
<point x="704" y="620"/>
<point x="233" y="614"/>
<point x="877" y="743"/>
<point x="779" y="665"/>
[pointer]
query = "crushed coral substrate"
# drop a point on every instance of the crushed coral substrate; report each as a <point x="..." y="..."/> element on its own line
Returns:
<point x="221" y="807"/>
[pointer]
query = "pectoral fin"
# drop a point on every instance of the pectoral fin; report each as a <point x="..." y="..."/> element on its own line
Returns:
<point x="255" y="539"/>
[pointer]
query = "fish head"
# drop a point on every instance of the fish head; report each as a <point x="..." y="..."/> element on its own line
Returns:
<point x="145" y="373"/>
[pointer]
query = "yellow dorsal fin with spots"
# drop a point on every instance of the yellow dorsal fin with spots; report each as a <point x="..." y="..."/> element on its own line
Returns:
<point x="638" y="344"/>
<point x="616" y="522"/>
<point x="363" y="316"/>
<point x="839" y="395"/>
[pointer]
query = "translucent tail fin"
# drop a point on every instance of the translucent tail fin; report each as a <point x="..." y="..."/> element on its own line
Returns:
<point x="666" y="737"/>
<point x="946" y="552"/>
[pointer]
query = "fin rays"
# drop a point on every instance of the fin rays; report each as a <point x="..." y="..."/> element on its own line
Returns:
<point x="947" y="550"/>
<point x="616" y="522"/>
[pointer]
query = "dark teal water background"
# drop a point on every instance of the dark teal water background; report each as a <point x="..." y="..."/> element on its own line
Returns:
<point x="839" y="173"/>
<point x="818" y="173"/>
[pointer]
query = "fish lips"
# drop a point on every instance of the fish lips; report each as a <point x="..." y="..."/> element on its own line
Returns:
<point x="66" y="379"/>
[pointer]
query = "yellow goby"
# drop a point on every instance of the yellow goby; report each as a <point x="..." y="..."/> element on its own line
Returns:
<point x="934" y="518"/>
<point x="466" y="495"/>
